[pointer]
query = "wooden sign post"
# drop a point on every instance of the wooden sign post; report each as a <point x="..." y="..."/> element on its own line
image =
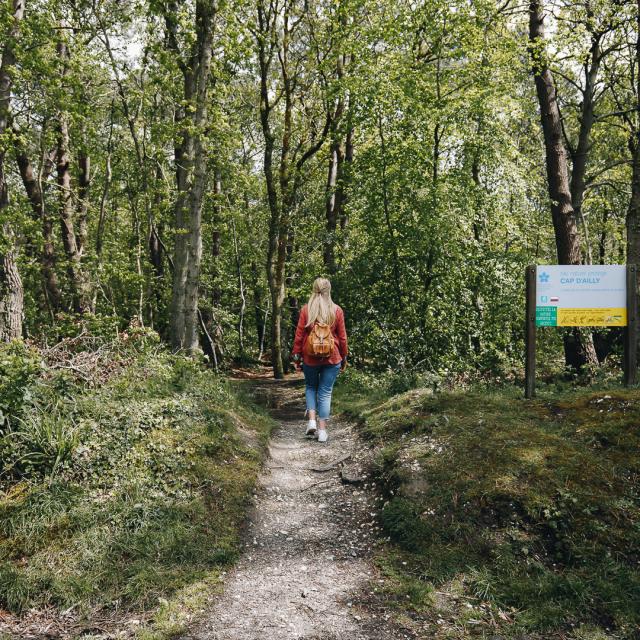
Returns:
<point x="631" y="330"/>
<point x="530" y="335"/>
<point x="581" y="296"/>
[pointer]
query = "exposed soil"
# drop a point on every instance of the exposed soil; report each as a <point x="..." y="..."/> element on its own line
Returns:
<point x="306" y="572"/>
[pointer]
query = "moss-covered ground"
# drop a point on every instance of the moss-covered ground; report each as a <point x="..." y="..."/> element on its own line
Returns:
<point x="508" y="518"/>
<point x="128" y="496"/>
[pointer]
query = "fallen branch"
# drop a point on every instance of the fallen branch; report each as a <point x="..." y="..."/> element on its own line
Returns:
<point x="315" y="484"/>
<point x="330" y="466"/>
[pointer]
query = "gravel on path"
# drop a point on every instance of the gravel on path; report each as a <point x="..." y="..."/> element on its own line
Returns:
<point x="306" y="567"/>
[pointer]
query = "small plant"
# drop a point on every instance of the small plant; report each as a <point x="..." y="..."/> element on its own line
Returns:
<point x="40" y="444"/>
<point x="19" y="367"/>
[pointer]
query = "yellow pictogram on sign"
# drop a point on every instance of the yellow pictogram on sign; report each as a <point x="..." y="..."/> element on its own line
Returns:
<point x="616" y="317"/>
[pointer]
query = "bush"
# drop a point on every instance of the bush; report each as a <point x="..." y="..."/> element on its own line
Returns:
<point x="39" y="445"/>
<point x="19" y="367"/>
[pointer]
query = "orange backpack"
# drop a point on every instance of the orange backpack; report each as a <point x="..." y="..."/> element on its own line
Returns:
<point x="320" y="341"/>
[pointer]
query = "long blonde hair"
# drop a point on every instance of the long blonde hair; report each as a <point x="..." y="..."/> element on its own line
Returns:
<point x="321" y="307"/>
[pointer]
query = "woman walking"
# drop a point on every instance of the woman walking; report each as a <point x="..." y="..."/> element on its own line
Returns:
<point x="321" y="344"/>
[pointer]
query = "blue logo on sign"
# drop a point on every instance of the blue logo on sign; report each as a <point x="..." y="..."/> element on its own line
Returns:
<point x="543" y="277"/>
<point x="544" y="299"/>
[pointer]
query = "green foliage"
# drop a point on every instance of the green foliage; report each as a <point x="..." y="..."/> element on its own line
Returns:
<point x="445" y="198"/>
<point x="39" y="444"/>
<point x="124" y="494"/>
<point x="19" y="367"/>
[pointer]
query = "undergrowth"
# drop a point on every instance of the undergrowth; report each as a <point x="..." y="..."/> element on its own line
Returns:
<point x="117" y="496"/>
<point x="510" y="516"/>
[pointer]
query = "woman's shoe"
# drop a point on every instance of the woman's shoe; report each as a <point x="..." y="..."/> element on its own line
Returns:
<point x="311" y="428"/>
<point x="322" y="435"/>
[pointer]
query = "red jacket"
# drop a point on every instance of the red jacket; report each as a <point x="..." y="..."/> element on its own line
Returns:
<point x="340" y="350"/>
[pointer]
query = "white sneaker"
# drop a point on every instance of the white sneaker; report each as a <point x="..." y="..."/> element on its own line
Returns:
<point x="322" y="435"/>
<point x="311" y="428"/>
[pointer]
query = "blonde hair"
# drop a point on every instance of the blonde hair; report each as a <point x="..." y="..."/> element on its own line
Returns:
<point x="321" y="307"/>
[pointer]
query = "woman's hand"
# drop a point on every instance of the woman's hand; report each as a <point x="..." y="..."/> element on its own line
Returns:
<point x="343" y="364"/>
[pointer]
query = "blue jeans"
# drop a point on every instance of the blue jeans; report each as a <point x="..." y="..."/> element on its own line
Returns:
<point x="319" y="382"/>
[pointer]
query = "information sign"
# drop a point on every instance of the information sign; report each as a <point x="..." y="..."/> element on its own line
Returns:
<point x="581" y="296"/>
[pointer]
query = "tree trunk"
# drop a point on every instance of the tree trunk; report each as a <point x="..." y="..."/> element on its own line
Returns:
<point x="281" y="194"/>
<point x="266" y="24"/>
<point x="191" y="176"/>
<point x="84" y="181"/>
<point x="257" y="305"/>
<point x="11" y="290"/>
<point x="578" y="345"/>
<point x="333" y="193"/>
<point x="216" y="239"/>
<point x="33" y="188"/>
<point x="386" y="207"/>
<point x="340" y="156"/>
<point x="633" y="211"/>
<point x="243" y="298"/>
<point x="155" y="247"/>
<point x="104" y="198"/>
<point x="345" y="177"/>
<point x="580" y="155"/>
<point x="77" y="278"/>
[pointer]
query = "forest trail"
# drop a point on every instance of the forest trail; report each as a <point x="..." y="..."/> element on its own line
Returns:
<point x="306" y="571"/>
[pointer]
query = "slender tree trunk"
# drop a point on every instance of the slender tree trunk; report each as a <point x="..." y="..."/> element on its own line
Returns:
<point x="633" y="211"/>
<point x="345" y="177"/>
<point x="580" y="155"/>
<point x="340" y="156"/>
<point x="386" y="207"/>
<point x="77" y="278"/>
<point x="155" y="249"/>
<point x="104" y="198"/>
<point x="333" y="192"/>
<point x="281" y="193"/>
<point x="243" y="298"/>
<point x="340" y="159"/>
<point x="266" y="47"/>
<point x="602" y="241"/>
<point x="579" y="349"/>
<point x="191" y="176"/>
<point x="33" y="187"/>
<point x="216" y="238"/>
<point x="257" y="304"/>
<point x="84" y="181"/>
<point x="336" y="158"/>
<point x="11" y="290"/>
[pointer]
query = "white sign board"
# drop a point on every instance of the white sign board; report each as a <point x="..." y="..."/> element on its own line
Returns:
<point x="581" y="296"/>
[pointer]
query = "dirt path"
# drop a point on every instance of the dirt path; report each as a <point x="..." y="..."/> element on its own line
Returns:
<point x="306" y="571"/>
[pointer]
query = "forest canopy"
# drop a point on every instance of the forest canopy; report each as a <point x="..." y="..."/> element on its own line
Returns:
<point x="191" y="166"/>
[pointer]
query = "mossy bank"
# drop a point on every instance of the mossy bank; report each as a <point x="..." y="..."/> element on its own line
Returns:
<point x="508" y="518"/>
<point x="122" y="499"/>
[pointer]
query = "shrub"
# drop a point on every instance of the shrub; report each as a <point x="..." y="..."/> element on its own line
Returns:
<point x="19" y="367"/>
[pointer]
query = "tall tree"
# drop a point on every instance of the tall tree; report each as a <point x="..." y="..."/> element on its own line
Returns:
<point x="276" y="25"/>
<point x="191" y="165"/>
<point x="340" y="156"/>
<point x="633" y="211"/>
<point x="11" y="290"/>
<point x="72" y="226"/>
<point x="579" y="349"/>
<point x="32" y="180"/>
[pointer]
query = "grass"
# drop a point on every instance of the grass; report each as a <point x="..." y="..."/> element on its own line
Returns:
<point x="129" y="497"/>
<point x="510" y="516"/>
